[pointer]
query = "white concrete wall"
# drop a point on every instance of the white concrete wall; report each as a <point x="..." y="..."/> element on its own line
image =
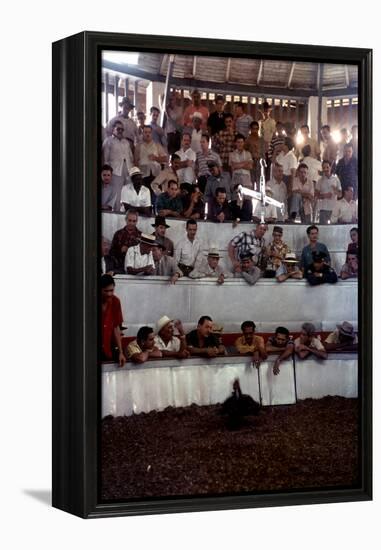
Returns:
<point x="159" y="384"/>
<point x="268" y="303"/>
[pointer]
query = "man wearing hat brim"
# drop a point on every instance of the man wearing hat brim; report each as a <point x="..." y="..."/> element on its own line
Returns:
<point x="139" y="259"/>
<point x="209" y="267"/>
<point x="194" y="107"/>
<point x="165" y="340"/>
<point x="161" y="226"/>
<point x="165" y="266"/>
<point x="319" y="272"/>
<point x="136" y="195"/>
<point x="130" y="129"/>
<point x="289" y="269"/>
<point x="343" y="338"/>
<point x="276" y="252"/>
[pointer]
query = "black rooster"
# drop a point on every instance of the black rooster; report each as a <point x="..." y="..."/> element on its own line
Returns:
<point x="239" y="405"/>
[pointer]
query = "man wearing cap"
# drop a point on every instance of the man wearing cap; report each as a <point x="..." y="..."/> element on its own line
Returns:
<point x="112" y="319"/>
<point x="149" y="156"/>
<point x="203" y="158"/>
<point x="306" y="258"/>
<point x="196" y="132"/>
<point x="139" y="259"/>
<point x="307" y="343"/>
<point x="252" y="242"/>
<point x="250" y="344"/>
<point x="194" y="107"/>
<point x="130" y="130"/>
<point x="319" y="272"/>
<point x="158" y="134"/>
<point x="343" y="338"/>
<point x="188" y="253"/>
<point x="165" y="266"/>
<point x="136" y="195"/>
<point x="276" y="252"/>
<point x="209" y="267"/>
<point x="187" y="156"/>
<point x="288" y="269"/>
<point x="161" y="226"/>
<point x="248" y="271"/>
<point x="116" y="152"/>
<point x="202" y="341"/>
<point x="160" y="183"/>
<point x="126" y="237"/>
<point x="169" y="203"/>
<point x="165" y="340"/>
<point x="218" y="207"/>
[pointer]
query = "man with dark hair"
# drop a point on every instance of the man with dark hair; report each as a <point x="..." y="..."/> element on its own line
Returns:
<point x="347" y="169"/>
<point x="282" y="343"/>
<point x="108" y="193"/>
<point x="216" y="121"/>
<point x="112" y="319"/>
<point x="203" y="158"/>
<point x="345" y="210"/>
<point x="217" y="180"/>
<point x="302" y="195"/>
<point x="242" y="120"/>
<point x="161" y="227"/>
<point x="139" y="259"/>
<point x="277" y="141"/>
<point x="307" y="343"/>
<point x="328" y="188"/>
<point x="268" y="125"/>
<point x="169" y="203"/>
<point x="143" y="347"/>
<point x="354" y="245"/>
<point x="187" y="162"/>
<point x="160" y="183"/>
<point x="308" y="140"/>
<point x="224" y="142"/>
<point x="193" y="203"/>
<point x="141" y="116"/>
<point x="329" y="148"/>
<point x="250" y="344"/>
<point x="188" y="254"/>
<point x="116" y="152"/>
<point x="276" y="252"/>
<point x="218" y="207"/>
<point x="194" y="107"/>
<point x="165" y="266"/>
<point x="125" y="237"/>
<point x="319" y="272"/>
<point x="173" y="123"/>
<point x="202" y="341"/>
<point x="136" y="195"/>
<point x="149" y="156"/>
<point x="343" y="338"/>
<point x="252" y="242"/>
<point x="241" y="165"/>
<point x="158" y="134"/>
<point x="256" y="146"/>
<point x="288" y="161"/>
<point x="350" y="269"/>
<point x="278" y="188"/>
<point x="108" y="263"/>
<point x="306" y="258"/>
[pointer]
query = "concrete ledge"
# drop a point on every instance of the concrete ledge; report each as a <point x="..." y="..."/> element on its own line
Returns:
<point x="156" y="385"/>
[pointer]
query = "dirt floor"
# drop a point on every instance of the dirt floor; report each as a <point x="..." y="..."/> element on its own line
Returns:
<point x="192" y="451"/>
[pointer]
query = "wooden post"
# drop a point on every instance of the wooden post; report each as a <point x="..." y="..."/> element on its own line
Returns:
<point x="106" y="97"/>
<point x="320" y="99"/>
<point x="167" y="86"/>
<point x="116" y="92"/>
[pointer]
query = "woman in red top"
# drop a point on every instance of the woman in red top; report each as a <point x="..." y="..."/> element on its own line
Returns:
<point x="111" y="320"/>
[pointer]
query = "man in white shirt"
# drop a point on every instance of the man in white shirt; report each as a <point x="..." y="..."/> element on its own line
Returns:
<point x="139" y="259"/>
<point x="308" y="344"/>
<point x="186" y="172"/>
<point x="345" y="210"/>
<point x="188" y="253"/>
<point x="130" y="130"/>
<point x="279" y="189"/>
<point x="196" y="132"/>
<point x="328" y="188"/>
<point x="302" y="196"/>
<point x="289" y="161"/>
<point x="116" y="152"/>
<point x="136" y="195"/>
<point x="165" y="340"/>
<point x="149" y="156"/>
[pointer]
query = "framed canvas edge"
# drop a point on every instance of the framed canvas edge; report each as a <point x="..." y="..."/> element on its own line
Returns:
<point x="76" y="229"/>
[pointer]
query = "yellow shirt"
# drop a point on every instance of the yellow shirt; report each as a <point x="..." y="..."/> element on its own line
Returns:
<point x="243" y="347"/>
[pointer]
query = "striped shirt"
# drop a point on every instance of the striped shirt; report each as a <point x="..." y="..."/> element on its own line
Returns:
<point x="242" y="124"/>
<point x="202" y="160"/>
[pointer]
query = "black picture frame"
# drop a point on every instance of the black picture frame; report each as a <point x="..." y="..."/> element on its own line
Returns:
<point x="76" y="233"/>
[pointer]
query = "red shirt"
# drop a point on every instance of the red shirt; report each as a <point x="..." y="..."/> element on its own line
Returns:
<point x="111" y="318"/>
